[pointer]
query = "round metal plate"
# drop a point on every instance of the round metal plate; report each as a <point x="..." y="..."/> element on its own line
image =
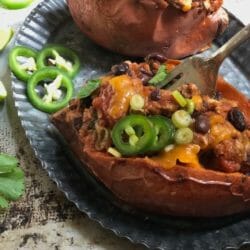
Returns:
<point x="50" y="22"/>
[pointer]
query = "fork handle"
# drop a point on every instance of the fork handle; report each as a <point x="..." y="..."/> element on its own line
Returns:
<point x="224" y="51"/>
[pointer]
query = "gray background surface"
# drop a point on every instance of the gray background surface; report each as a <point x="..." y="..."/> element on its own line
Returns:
<point x="43" y="218"/>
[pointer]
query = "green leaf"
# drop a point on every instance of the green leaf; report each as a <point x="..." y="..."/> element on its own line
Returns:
<point x="160" y="76"/>
<point x="3" y="203"/>
<point x="89" y="88"/>
<point x="7" y="163"/>
<point x="12" y="184"/>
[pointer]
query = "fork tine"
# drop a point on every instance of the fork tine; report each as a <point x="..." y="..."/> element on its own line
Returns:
<point x="177" y="84"/>
<point x="172" y="75"/>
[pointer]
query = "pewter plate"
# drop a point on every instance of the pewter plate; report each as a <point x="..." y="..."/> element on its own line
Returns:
<point x="50" y="22"/>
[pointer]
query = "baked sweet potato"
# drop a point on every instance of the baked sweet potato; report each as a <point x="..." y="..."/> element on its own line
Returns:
<point x="153" y="182"/>
<point x="136" y="28"/>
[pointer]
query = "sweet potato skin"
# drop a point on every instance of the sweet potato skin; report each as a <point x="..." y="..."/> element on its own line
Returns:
<point x="142" y="183"/>
<point x="137" y="28"/>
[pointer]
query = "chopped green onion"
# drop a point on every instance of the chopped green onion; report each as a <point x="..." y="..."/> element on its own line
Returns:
<point x="184" y="136"/>
<point x="114" y="152"/>
<point x="130" y="131"/>
<point x="160" y="76"/>
<point x="137" y="102"/>
<point x="133" y="139"/>
<point x="169" y="148"/>
<point x="190" y="106"/>
<point x="180" y="99"/>
<point x="181" y="119"/>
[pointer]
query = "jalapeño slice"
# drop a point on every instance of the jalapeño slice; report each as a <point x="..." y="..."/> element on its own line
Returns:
<point x="164" y="130"/>
<point x="133" y="135"/>
<point x="21" y="72"/>
<point x="59" y="57"/>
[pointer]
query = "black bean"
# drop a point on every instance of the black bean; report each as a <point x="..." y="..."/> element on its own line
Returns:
<point x="145" y="75"/>
<point x="202" y="124"/>
<point x="145" y="79"/>
<point x="156" y="56"/>
<point x="237" y="119"/>
<point x="145" y="72"/>
<point x="155" y="95"/>
<point x="196" y="113"/>
<point x="120" y="69"/>
<point x="218" y="95"/>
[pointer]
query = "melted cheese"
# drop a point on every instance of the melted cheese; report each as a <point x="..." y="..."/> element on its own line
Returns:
<point x="124" y="88"/>
<point x="221" y="129"/>
<point x="197" y="101"/>
<point x="187" y="5"/>
<point x="187" y="154"/>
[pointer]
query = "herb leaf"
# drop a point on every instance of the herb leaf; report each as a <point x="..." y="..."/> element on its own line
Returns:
<point x="160" y="76"/>
<point x="3" y="203"/>
<point x="12" y="184"/>
<point x="11" y="180"/>
<point x="7" y="163"/>
<point x="89" y="88"/>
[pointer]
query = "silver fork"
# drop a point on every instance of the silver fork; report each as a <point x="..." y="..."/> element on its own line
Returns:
<point x="204" y="71"/>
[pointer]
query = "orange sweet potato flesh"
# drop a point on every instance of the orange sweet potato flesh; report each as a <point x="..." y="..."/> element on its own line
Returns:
<point x="138" y="28"/>
<point x="146" y="184"/>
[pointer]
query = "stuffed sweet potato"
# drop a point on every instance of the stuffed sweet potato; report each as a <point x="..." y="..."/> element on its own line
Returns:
<point x="177" y="153"/>
<point x="176" y="28"/>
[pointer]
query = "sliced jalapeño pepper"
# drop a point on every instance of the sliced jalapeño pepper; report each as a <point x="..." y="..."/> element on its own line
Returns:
<point x="22" y="71"/>
<point x="133" y="135"/>
<point x="50" y="103"/>
<point x="60" y="57"/>
<point x="15" y="4"/>
<point x="164" y="132"/>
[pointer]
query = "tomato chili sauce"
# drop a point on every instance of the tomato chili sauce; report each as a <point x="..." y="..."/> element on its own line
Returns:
<point x="227" y="121"/>
<point x="132" y="115"/>
<point x="228" y="91"/>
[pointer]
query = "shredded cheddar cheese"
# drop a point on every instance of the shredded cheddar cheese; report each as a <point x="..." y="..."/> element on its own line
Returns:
<point x="187" y="154"/>
<point x="221" y="129"/>
<point x="198" y="102"/>
<point x="187" y="5"/>
<point x="124" y="88"/>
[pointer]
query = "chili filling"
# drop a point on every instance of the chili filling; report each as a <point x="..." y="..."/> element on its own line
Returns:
<point x="181" y="127"/>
